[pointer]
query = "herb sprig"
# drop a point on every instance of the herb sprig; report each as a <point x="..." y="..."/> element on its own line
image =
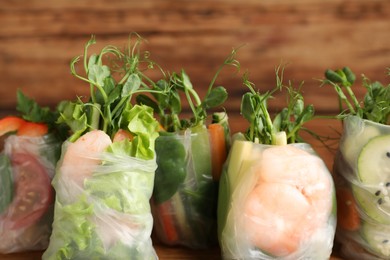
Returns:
<point x="109" y="97"/>
<point x="286" y="125"/>
<point x="168" y="103"/>
<point x="33" y="112"/>
<point x="375" y="105"/>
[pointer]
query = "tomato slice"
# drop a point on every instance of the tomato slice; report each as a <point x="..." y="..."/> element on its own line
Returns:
<point x="33" y="192"/>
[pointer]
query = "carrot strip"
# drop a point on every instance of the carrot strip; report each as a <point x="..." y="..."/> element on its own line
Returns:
<point x="218" y="149"/>
<point x="33" y="129"/>
<point x="161" y="128"/>
<point x="10" y="124"/>
<point x="165" y="213"/>
<point x="347" y="213"/>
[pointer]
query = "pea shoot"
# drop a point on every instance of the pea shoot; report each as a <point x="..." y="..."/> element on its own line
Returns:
<point x="285" y="126"/>
<point x="375" y="105"/>
<point x="109" y="95"/>
<point x="168" y="105"/>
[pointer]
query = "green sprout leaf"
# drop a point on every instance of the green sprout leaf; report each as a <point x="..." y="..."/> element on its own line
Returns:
<point x="289" y="120"/>
<point x="178" y="85"/>
<point x="114" y="76"/>
<point x="31" y="110"/>
<point x="97" y="74"/>
<point x="375" y="105"/>
<point x="132" y="84"/>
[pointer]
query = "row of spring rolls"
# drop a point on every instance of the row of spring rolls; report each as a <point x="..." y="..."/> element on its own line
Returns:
<point x="293" y="201"/>
<point x="101" y="207"/>
<point x="100" y="195"/>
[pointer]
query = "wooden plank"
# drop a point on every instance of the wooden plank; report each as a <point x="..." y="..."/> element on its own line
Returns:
<point x="38" y="40"/>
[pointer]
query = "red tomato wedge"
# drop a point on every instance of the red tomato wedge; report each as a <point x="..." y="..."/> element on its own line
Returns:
<point x="10" y="124"/>
<point x="33" y="129"/>
<point x="33" y="193"/>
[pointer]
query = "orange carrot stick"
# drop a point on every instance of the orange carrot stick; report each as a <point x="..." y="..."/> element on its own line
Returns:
<point x="218" y="149"/>
<point x="33" y="129"/>
<point x="165" y="212"/>
<point x="10" y="124"/>
<point x="347" y="213"/>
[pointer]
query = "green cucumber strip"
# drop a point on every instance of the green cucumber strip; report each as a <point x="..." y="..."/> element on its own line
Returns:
<point x="240" y="151"/>
<point x="201" y="153"/>
<point x="181" y="217"/>
<point x="6" y="183"/>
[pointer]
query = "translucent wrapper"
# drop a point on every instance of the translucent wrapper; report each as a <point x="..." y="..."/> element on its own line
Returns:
<point x="185" y="195"/>
<point x="102" y="208"/>
<point x="275" y="202"/>
<point x="362" y="176"/>
<point x="27" y="166"/>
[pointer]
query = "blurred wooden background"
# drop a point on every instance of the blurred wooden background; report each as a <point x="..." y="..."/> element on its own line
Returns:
<point x="39" y="38"/>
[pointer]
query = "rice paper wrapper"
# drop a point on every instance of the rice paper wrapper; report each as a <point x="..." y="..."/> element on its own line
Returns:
<point x="27" y="166"/>
<point x="184" y="203"/>
<point x="102" y="208"/>
<point x="362" y="176"/>
<point x="275" y="202"/>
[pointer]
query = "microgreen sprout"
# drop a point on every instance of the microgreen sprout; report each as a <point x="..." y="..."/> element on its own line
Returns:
<point x="285" y="126"/>
<point x="168" y="105"/>
<point x="109" y="97"/>
<point x="376" y="103"/>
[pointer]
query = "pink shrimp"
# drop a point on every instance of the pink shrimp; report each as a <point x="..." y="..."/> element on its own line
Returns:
<point x="82" y="155"/>
<point x="290" y="200"/>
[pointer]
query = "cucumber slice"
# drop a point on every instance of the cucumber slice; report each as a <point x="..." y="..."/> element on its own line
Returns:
<point x="377" y="238"/>
<point x="374" y="161"/>
<point x="374" y="174"/>
<point x="353" y="141"/>
<point x="368" y="205"/>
